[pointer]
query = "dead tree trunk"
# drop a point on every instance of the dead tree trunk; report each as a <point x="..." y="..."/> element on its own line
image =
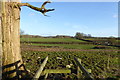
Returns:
<point x="10" y="39"/>
<point x="10" y="36"/>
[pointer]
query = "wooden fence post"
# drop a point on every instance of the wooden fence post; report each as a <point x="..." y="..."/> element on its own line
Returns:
<point x="86" y="73"/>
<point x="38" y="73"/>
<point x="79" y="73"/>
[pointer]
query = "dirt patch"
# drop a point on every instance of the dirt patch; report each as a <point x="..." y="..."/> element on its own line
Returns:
<point x="56" y="48"/>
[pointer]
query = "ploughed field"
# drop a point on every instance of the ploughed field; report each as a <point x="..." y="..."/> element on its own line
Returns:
<point x="101" y="59"/>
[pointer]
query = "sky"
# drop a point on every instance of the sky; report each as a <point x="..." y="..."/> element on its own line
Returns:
<point x="100" y="19"/>
<point x="72" y="0"/>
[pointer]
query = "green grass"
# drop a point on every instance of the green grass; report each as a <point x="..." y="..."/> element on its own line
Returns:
<point x="51" y="40"/>
<point x="96" y="61"/>
<point x="118" y="41"/>
<point x="65" y="46"/>
<point x="94" y="39"/>
<point x="68" y="46"/>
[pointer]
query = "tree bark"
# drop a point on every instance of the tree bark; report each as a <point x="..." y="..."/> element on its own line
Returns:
<point x="12" y="65"/>
<point x="0" y="41"/>
<point x="10" y="29"/>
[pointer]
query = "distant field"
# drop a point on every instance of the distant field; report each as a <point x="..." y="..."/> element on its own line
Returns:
<point x="68" y="46"/>
<point x="49" y="43"/>
<point x="51" y="40"/>
<point x="95" y="39"/>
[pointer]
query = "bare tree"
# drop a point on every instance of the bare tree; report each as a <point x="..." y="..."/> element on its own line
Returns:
<point x="10" y="36"/>
<point x="79" y="35"/>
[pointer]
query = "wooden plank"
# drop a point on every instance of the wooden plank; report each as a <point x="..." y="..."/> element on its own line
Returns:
<point x="56" y="71"/>
<point x="38" y="73"/>
<point x="86" y="73"/>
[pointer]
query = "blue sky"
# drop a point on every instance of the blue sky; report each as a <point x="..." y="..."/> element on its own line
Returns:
<point x="100" y="19"/>
<point x="72" y="0"/>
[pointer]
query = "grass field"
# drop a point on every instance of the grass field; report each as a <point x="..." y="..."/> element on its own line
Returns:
<point x="69" y="46"/>
<point x="66" y="46"/>
<point x="102" y="62"/>
<point x="97" y="61"/>
<point x="51" y="40"/>
<point x="112" y="40"/>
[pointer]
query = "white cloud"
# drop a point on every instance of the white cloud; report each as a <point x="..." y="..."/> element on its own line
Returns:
<point x="79" y="27"/>
<point x="115" y="16"/>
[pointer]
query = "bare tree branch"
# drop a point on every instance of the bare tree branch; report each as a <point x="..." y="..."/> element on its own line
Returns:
<point x="43" y="10"/>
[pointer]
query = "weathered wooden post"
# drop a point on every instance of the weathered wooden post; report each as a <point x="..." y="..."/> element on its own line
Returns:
<point x="79" y="72"/>
<point x="38" y="73"/>
<point x="10" y="34"/>
<point x="10" y="37"/>
<point x="85" y="72"/>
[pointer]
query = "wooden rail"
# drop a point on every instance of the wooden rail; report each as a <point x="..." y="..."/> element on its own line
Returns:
<point x="37" y="75"/>
<point x="81" y="69"/>
<point x="47" y="71"/>
<point x="85" y="72"/>
<point x="56" y="71"/>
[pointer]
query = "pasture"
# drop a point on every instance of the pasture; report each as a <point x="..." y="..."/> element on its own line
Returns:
<point x="51" y="40"/>
<point x="102" y="62"/>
